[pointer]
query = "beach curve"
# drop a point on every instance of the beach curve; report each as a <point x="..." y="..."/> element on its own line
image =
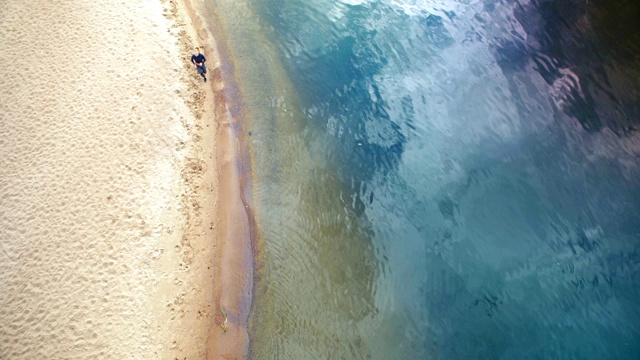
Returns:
<point x="229" y="336"/>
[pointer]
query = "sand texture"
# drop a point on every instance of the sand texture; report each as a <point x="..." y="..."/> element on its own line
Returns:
<point x="108" y="183"/>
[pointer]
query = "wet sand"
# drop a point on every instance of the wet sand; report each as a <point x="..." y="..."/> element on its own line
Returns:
<point x="111" y="244"/>
<point x="228" y="337"/>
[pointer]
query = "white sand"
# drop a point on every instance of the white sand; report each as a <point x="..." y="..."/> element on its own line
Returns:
<point x="106" y="162"/>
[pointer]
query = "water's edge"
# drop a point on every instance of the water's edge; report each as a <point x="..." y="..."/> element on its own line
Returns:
<point x="233" y="284"/>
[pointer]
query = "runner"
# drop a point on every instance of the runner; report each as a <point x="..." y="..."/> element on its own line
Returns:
<point x="198" y="60"/>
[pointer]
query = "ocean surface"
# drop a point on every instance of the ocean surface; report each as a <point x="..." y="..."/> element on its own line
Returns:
<point x="441" y="179"/>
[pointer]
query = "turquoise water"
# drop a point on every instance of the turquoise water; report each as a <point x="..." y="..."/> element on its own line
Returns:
<point x="442" y="179"/>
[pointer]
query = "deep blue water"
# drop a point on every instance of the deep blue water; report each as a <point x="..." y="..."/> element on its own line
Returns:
<point x="445" y="179"/>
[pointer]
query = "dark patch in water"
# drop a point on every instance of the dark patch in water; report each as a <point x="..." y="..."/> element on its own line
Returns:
<point x="597" y="40"/>
<point x="437" y="33"/>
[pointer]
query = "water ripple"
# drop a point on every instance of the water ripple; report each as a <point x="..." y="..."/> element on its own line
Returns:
<point x="460" y="180"/>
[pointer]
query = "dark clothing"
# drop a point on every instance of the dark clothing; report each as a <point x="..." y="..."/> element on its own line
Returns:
<point x="198" y="59"/>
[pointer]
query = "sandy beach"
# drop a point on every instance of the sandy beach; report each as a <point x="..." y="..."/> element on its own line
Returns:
<point x="110" y="245"/>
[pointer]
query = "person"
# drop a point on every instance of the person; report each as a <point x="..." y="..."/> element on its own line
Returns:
<point x="198" y="60"/>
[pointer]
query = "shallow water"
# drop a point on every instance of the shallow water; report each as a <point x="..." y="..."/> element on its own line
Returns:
<point x="443" y="179"/>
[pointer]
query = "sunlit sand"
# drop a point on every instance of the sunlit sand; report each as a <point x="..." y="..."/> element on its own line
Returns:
<point x="108" y="183"/>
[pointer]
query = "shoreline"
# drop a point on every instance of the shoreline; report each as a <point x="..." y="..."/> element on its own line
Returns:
<point x="228" y="337"/>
